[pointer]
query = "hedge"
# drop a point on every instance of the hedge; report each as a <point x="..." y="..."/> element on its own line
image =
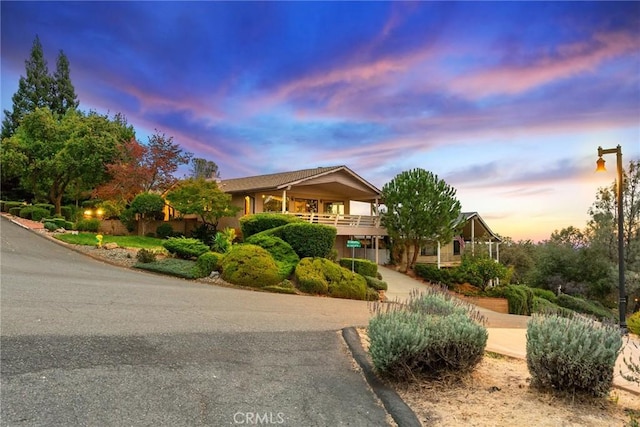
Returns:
<point x="592" y="308"/>
<point x="34" y="213"/>
<point x="185" y="248"/>
<point x="360" y="266"/>
<point x="253" y="224"/>
<point x="321" y="276"/>
<point x="308" y="240"/>
<point x="250" y="265"/>
<point x="283" y="254"/>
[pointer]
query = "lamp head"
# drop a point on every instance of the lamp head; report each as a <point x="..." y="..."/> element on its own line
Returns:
<point x="600" y="165"/>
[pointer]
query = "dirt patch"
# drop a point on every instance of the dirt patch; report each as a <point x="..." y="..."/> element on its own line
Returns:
<point x="498" y="393"/>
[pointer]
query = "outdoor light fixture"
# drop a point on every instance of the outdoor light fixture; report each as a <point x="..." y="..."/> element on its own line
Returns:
<point x="619" y="184"/>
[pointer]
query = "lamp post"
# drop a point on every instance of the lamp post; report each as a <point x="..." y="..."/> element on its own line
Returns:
<point x="600" y="167"/>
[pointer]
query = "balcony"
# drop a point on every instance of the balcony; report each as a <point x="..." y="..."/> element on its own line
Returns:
<point x="347" y="225"/>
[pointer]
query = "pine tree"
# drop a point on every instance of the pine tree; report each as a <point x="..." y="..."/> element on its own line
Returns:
<point x="33" y="91"/>
<point x="64" y="95"/>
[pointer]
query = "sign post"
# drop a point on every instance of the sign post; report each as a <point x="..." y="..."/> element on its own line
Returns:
<point x="353" y="244"/>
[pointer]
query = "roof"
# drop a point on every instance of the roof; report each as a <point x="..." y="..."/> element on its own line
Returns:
<point x="283" y="180"/>
<point x="469" y="216"/>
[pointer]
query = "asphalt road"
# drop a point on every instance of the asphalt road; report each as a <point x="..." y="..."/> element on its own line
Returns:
<point x="86" y="343"/>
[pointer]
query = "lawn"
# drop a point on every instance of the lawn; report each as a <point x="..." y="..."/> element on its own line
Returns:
<point x="89" y="239"/>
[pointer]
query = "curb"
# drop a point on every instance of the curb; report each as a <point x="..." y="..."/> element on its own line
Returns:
<point x="393" y="403"/>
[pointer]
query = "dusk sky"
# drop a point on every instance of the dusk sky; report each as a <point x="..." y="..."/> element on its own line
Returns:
<point x="507" y="101"/>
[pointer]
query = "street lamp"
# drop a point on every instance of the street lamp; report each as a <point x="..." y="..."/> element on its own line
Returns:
<point x="600" y="167"/>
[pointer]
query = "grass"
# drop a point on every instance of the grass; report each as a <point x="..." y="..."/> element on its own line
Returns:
<point x="171" y="266"/>
<point x="89" y="239"/>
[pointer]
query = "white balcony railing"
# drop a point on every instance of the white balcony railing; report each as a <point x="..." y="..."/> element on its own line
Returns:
<point x="346" y="224"/>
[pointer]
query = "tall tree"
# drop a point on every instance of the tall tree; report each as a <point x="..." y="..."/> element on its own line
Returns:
<point x="419" y="208"/>
<point x="59" y="152"/>
<point x="63" y="96"/>
<point x="163" y="157"/>
<point x="34" y="90"/>
<point x="203" y="168"/>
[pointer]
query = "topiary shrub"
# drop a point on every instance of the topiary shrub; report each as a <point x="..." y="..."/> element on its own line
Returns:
<point x="253" y="224"/>
<point x="208" y="262"/>
<point x="47" y="206"/>
<point x="6" y="206"/>
<point x="185" y="248"/>
<point x="572" y="354"/>
<point x="321" y="276"/>
<point x="360" y="266"/>
<point x="250" y="265"/>
<point x="433" y="274"/>
<point x="308" y="240"/>
<point x="633" y="323"/>
<point x="15" y="211"/>
<point x="34" y="213"/>
<point x="372" y="295"/>
<point x="145" y="256"/>
<point x="430" y="336"/>
<point x="171" y="266"/>
<point x="68" y="225"/>
<point x="591" y="308"/>
<point x="92" y="225"/>
<point x="68" y="212"/>
<point x="375" y="283"/>
<point x="50" y="226"/>
<point x="519" y="297"/>
<point x="283" y="254"/>
<point x="164" y="230"/>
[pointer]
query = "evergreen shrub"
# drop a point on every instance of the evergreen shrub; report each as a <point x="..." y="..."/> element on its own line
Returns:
<point x="430" y="335"/>
<point x="171" y="266"/>
<point x="34" y="213"/>
<point x="372" y="295"/>
<point x="375" y="283"/>
<point x="145" y="256"/>
<point x="633" y="323"/>
<point x="308" y="240"/>
<point x="256" y="223"/>
<point x="284" y="287"/>
<point x="591" y="308"/>
<point x="15" y="210"/>
<point x="360" y="266"/>
<point x="6" y="206"/>
<point x="545" y="293"/>
<point x="50" y="226"/>
<point x="184" y="247"/>
<point x="433" y="274"/>
<point x="250" y="265"/>
<point x="321" y="276"/>
<point x="519" y="298"/>
<point x="164" y="230"/>
<point x="48" y="206"/>
<point x="572" y="354"/>
<point x="68" y="212"/>
<point x="92" y="225"/>
<point x="207" y="263"/>
<point x="283" y="254"/>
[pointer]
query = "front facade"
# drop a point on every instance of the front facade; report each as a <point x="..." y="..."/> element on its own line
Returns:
<point x="321" y="195"/>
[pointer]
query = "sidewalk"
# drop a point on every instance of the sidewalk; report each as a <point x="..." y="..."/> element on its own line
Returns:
<point x="507" y="332"/>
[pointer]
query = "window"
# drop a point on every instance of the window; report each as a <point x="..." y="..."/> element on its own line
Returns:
<point x="430" y="249"/>
<point x="271" y="203"/>
<point x="456" y="247"/>
<point x="334" y="208"/>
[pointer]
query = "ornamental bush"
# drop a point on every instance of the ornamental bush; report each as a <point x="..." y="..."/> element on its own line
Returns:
<point x="6" y="206"/>
<point x="545" y="293"/>
<point x="429" y="336"/>
<point x="433" y="274"/>
<point x="519" y="297"/>
<point x="321" y="276"/>
<point x="253" y="224"/>
<point x="207" y="263"/>
<point x="145" y="256"/>
<point x="360" y="266"/>
<point x="250" y="265"/>
<point x="591" y="308"/>
<point x="91" y="225"/>
<point x="34" y="213"/>
<point x="47" y="206"/>
<point x="375" y="283"/>
<point x="283" y="254"/>
<point x="572" y="354"/>
<point x="184" y="247"/>
<point x="308" y="240"/>
<point x="633" y="323"/>
<point x="164" y="230"/>
<point x="50" y="226"/>
<point x="171" y="266"/>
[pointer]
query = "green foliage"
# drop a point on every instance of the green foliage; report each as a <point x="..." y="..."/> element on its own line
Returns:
<point x="50" y="226"/>
<point x="375" y="283"/>
<point x="223" y="240"/>
<point x="250" y="265"/>
<point x="8" y="205"/>
<point x="208" y="262"/>
<point x="360" y="266"/>
<point x="184" y="247"/>
<point x="284" y="287"/>
<point x="633" y="323"/>
<point x="58" y="223"/>
<point x="89" y="239"/>
<point x="420" y="208"/>
<point x="48" y="206"/>
<point x="146" y="256"/>
<point x="430" y="335"/>
<point x="34" y="213"/>
<point x="479" y="270"/>
<point x="68" y="212"/>
<point x="15" y="211"/>
<point x="253" y="224"/>
<point x="164" y="230"/>
<point x="546" y="294"/>
<point x="519" y="297"/>
<point x="433" y="274"/>
<point x="128" y="218"/>
<point x="148" y="205"/>
<point x="283" y="254"/>
<point x="321" y="276"/>
<point x="308" y="240"/>
<point x="171" y="266"/>
<point x="574" y="354"/>
<point x="592" y="308"/>
<point x="92" y="225"/>
<point x="203" y="198"/>
<point x="372" y="294"/>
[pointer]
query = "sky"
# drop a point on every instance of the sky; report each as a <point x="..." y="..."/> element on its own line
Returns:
<point x="505" y="101"/>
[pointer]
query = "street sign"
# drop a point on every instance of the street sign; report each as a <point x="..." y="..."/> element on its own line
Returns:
<point x="353" y="243"/>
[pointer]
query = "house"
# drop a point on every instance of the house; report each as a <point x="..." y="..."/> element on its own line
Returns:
<point x="475" y="237"/>
<point x="322" y="195"/>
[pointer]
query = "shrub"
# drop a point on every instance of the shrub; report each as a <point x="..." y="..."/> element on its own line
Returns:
<point x="546" y="294"/>
<point x="185" y="248"/>
<point x="68" y="212"/>
<point x="633" y="323"/>
<point x="572" y="354"/>
<point x="68" y="225"/>
<point x="128" y="218"/>
<point x="208" y="262"/>
<point x="250" y="265"/>
<point x="519" y="297"/>
<point x="284" y="287"/>
<point x="253" y="224"/>
<point x="92" y="225"/>
<point x="164" y="230"/>
<point x="6" y="206"/>
<point x="321" y="276"/>
<point x="417" y="338"/>
<point x="47" y="206"/>
<point x="223" y="240"/>
<point x="59" y="222"/>
<point x="15" y="211"/>
<point x="591" y="308"/>
<point x="283" y="254"/>
<point x="308" y="240"/>
<point x="171" y="266"/>
<point x="360" y="266"/>
<point x="51" y="226"/>
<point x="145" y="256"/>
<point x="34" y="213"/>
<point x="375" y="283"/>
<point x="433" y="274"/>
<point x="205" y="233"/>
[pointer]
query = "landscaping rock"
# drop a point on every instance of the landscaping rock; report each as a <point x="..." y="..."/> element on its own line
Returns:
<point x="110" y="245"/>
